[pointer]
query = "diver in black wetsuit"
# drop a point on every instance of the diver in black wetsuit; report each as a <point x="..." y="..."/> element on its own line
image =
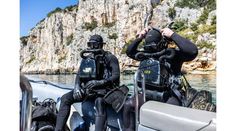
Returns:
<point x="185" y="51"/>
<point x="93" y="88"/>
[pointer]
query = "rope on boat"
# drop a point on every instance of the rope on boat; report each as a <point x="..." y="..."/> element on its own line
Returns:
<point x="205" y="126"/>
<point x="49" y="83"/>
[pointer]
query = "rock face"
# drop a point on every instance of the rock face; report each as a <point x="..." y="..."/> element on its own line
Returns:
<point x="54" y="44"/>
<point x="161" y="14"/>
<point x="46" y="47"/>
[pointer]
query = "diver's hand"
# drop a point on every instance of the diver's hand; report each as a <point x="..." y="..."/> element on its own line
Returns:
<point x="167" y="32"/>
<point x="78" y="94"/>
<point x="94" y="83"/>
<point x="143" y="32"/>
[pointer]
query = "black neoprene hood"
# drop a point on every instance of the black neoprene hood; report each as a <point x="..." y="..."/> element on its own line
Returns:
<point x="96" y="38"/>
<point x="153" y="36"/>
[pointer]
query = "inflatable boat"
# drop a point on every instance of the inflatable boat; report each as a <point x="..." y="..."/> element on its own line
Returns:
<point x="152" y="115"/>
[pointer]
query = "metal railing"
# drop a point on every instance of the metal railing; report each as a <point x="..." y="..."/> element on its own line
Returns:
<point x="26" y="105"/>
<point x="136" y="95"/>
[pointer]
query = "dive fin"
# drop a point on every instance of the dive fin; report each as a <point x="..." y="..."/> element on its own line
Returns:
<point x="116" y="97"/>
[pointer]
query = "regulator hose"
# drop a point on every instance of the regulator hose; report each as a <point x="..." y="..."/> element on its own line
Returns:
<point x="89" y="51"/>
<point x="163" y="54"/>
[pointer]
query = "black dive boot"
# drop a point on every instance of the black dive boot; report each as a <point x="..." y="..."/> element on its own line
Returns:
<point x="100" y="116"/>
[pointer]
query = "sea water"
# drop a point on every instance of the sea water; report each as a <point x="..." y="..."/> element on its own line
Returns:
<point x="197" y="81"/>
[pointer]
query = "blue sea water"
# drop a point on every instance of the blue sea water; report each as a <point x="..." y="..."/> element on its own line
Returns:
<point x="200" y="82"/>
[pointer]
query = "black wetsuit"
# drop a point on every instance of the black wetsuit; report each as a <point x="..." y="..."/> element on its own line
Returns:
<point x="186" y="51"/>
<point x="111" y="76"/>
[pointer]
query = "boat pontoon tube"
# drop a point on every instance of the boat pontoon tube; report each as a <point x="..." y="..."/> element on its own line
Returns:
<point x="165" y="117"/>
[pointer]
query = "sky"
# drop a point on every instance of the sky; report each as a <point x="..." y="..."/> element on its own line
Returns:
<point x="32" y="11"/>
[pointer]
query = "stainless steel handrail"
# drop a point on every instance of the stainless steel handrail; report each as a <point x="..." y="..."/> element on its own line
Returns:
<point x="143" y="87"/>
<point x="136" y="95"/>
<point x="26" y="105"/>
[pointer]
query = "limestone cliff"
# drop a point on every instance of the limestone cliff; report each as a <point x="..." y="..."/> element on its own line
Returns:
<point x="54" y="44"/>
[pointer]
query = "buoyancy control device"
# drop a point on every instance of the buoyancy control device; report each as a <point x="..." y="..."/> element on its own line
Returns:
<point x="92" y="65"/>
<point x="155" y="73"/>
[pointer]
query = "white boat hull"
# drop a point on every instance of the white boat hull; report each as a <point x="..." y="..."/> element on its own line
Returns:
<point x="153" y="115"/>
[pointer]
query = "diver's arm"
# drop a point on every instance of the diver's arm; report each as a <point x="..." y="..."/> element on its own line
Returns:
<point x="77" y="81"/>
<point x="78" y="92"/>
<point x="115" y="74"/>
<point x="187" y="48"/>
<point x="132" y="48"/>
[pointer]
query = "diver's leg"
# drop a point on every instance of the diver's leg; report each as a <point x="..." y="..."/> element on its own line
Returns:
<point x="64" y="111"/>
<point x="100" y="116"/>
<point x="129" y="112"/>
<point x="129" y="115"/>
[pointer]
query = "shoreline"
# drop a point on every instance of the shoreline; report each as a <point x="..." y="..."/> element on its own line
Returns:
<point x="193" y="67"/>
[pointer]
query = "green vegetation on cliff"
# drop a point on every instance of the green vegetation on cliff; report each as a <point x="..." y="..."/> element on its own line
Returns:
<point x="61" y="58"/>
<point x="71" y="8"/>
<point x="193" y="4"/>
<point x="24" y="40"/>
<point x="90" y="25"/>
<point x="108" y="25"/>
<point x="213" y="20"/>
<point x="171" y="12"/>
<point x="69" y="39"/>
<point x="58" y="9"/>
<point x="54" y="11"/>
<point x="205" y="44"/>
<point x="113" y="36"/>
<point x="180" y="25"/>
<point x="194" y="31"/>
<point x="31" y="59"/>
<point x="202" y="19"/>
<point x="207" y="29"/>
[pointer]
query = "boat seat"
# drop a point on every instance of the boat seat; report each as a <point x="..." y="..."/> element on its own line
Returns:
<point x="165" y="117"/>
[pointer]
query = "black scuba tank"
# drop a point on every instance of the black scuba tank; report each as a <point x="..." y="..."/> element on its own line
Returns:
<point x="155" y="73"/>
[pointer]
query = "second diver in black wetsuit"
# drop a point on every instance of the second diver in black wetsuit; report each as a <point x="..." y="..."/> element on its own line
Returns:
<point x="185" y="51"/>
<point x="92" y="82"/>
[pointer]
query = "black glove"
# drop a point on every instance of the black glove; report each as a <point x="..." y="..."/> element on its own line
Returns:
<point x="78" y="93"/>
<point x="94" y="83"/>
